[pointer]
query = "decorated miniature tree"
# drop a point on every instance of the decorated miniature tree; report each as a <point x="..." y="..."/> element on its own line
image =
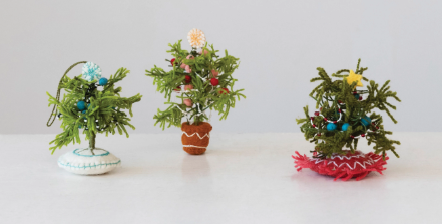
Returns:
<point x="202" y="81"/>
<point x="91" y="105"/>
<point x="344" y="115"/>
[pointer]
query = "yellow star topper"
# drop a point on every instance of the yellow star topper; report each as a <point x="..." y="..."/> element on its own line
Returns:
<point x="352" y="77"/>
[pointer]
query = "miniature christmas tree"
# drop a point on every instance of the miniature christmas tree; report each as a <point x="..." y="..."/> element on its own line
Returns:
<point x="202" y="81"/>
<point x="344" y="116"/>
<point x="87" y="109"/>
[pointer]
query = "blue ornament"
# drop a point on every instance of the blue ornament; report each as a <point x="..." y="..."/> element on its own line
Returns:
<point x="83" y="112"/>
<point x="366" y="121"/>
<point x="102" y="81"/>
<point x="345" y="126"/>
<point x="81" y="105"/>
<point x="79" y="126"/>
<point x="91" y="71"/>
<point x="357" y="96"/>
<point x="331" y="126"/>
<point x="113" y="107"/>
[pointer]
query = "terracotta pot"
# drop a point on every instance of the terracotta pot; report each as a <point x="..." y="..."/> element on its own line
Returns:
<point x="195" y="138"/>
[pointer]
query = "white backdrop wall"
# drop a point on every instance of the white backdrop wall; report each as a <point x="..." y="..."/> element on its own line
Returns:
<point x="280" y="44"/>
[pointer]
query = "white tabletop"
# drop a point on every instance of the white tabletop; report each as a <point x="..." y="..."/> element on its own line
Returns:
<point x="242" y="178"/>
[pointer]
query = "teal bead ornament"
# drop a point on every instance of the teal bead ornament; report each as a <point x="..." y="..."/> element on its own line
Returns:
<point x="81" y="105"/>
<point x="331" y="126"/>
<point x="102" y="81"/>
<point x="83" y="112"/>
<point x="366" y="121"/>
<point x="345" y="126"/>
<point x="357" y="96"/>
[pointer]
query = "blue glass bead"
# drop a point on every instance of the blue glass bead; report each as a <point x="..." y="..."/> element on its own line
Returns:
<point x="366" y="121"/>
<point x="331" y="126"/>
<point x="345" y="126"/>
<point x="81" y="105"/>
<point x="357" y="96"/>
<point x="83" y="112"/>
<point x="102" y="81"/>
<point x="79" y="126"/>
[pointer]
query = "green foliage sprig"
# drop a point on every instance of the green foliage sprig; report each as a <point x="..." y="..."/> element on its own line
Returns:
<point x="203" y="95"/>
<point x="328" y="94"/>
<point x="104" y="114"/>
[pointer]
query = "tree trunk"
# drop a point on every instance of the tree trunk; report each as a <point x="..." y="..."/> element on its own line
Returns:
<point x="92" y="142"/>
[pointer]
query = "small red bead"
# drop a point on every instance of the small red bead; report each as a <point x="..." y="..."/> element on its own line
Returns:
<point x="214" y="81"/>
<point x="355" y="92"/>
<point x="340" y="111"/>
<point x="334" y="122"/>
<point x="363" y="135"/>
<point x="377" y="127"/>
<point x="312" y="118"/>
<point x="325" y="119"/>
<point x="316" y="113"/>
<point x="351" y="136"/>
<point x="314" y="126"/>
<point x="171" y="61"/>
<point x="187" y="78"/>
<point x="360" y="98"/>
<point x="319" y="134"/>
<point x="339" y="101"/>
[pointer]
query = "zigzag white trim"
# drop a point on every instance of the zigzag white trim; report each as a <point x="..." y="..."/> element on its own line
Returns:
<point x="206" y="135"/>
<point x="370" y="162"/>
<point x="193" y="146"/>
<point x="347" y="157"/>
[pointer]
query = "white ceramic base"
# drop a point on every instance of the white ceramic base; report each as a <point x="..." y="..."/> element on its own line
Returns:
<point x="81" y="161"/>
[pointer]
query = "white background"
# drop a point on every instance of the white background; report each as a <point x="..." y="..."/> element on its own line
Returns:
<point x="280" y="44"/>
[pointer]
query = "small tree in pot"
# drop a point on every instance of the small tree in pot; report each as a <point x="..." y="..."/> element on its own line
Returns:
<point x="202" y="81"/>
<point x="344" y="115"/>
<point x="91" y="105"/>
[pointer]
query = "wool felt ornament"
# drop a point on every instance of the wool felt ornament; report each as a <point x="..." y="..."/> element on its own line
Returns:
<point x="335" y="153"/>
<point x="86" y="108"/>
<point x="196" y="71"/>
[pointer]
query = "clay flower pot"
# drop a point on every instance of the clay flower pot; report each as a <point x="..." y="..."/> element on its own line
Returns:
<point x="195" y="138"/>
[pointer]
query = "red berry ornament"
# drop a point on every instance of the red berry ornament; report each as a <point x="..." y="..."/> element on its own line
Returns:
<point x="214" y="81"/>
<point x="171" y="61"/>
<point x="187" y="78"/>
<point x="225" y="91"/>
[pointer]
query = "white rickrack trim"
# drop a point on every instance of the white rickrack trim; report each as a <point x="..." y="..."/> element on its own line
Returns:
<point x="206" y="135"/>
<point x="194" y="146"/>
<point x="346" y="157"/>
<point x="370" y="162"/>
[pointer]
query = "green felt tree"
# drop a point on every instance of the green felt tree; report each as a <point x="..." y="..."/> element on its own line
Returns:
<point x="103" y="112"/>
<point x="346" y="114"/>
<point x="207" y="80"/>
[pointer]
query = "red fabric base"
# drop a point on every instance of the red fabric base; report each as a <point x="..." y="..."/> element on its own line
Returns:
<point x="356" y="165"/>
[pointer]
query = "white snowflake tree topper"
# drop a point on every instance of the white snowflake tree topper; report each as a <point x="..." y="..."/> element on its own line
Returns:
<point x="91" y="71"/>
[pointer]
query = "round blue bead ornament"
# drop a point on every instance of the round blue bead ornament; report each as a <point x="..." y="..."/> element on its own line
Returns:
<point x="345" y="126"/>
<point x="366" y="121"/>
<point x="81" y="105"/>
<point x="102" y="81"/>
<point x="331" y="127"/>
<point x="83" y="112"/>
<point x="357" y="96"/>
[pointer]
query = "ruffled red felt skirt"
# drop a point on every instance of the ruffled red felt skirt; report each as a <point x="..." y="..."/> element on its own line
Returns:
<point x="356" y="165"/>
